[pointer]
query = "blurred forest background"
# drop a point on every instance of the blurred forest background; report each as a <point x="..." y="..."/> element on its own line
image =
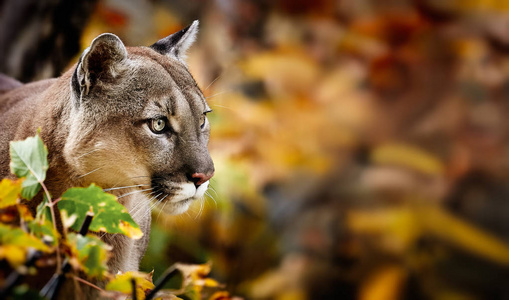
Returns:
<point x="361" y="147"/>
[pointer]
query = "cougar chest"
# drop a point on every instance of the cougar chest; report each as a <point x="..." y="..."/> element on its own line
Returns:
<point x="127" y="253"/>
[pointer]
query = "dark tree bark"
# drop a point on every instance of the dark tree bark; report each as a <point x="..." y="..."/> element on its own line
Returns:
<point x="38" y="38"/>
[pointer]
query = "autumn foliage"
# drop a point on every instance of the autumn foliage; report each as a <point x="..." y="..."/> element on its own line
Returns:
<point x="74" y="249"/>
<point x="360" y="148"/>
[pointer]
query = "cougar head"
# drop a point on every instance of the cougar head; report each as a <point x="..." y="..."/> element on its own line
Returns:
<point x="139" y="121"/>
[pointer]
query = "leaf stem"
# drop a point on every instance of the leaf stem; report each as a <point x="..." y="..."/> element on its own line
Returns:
<point x="54" y="202"/>
<point x="52" y="210"/>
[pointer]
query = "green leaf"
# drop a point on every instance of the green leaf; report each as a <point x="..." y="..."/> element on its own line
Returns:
<point x="43" y="210"/>
<point x="44" y="230"/>
<point x="92" y="254"/>
<point x="109" y="215"/>
<point x="29" y="158"/>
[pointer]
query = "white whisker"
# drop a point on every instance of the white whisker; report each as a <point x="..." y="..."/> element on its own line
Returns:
<point x="213" y="82"/>
<point x="134" y="210"/>
<point x="162" y="208"/>
<point x="210" y="197"/>
<point x="135" y="192"/>
<point x="89" y="152"/>
<point x="81" y="176"/>
<point x="217" y="94"/>
<point x="223" y="71"/>
<point x="151" y="206"/>
<point x="222" y="106"/>
<point x="213" y="189"/>
<point x="201" y="209"/>
<point x="135" y="207"/>
<point x="125" y="187"/>
<point x="134" y="177"/>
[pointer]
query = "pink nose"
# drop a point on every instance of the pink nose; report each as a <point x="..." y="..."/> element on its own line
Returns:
<point x="200" y="178"/>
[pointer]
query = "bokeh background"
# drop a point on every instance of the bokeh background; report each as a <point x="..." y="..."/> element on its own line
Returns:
<point x="361" y="146"/>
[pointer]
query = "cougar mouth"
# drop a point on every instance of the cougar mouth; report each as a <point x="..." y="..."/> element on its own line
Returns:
<point x="175" y="198"/>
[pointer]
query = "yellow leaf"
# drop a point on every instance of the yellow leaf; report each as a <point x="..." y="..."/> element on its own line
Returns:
<point x="450" y="228"/>
<point x="194" y="271"/>
<point x="401" y="226"/>
<point x="221" y="295"/>
<point x="210" y="282"/>
<point x="292" y="294"/>
<point x="408" y="156"/>
<point x="288" y="72"/>
<point x="24" y="213"/>
<point x="383" y="284"/>
<point x="15" y="255"/>
<point x="130" y="231"/>
<point x="398" y="226"/>
<point x="195" y="276"/>
<point x="122" y="283"/>
<point x="9" y="192"/>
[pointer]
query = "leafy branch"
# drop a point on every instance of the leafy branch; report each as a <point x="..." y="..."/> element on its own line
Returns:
<point x="81" y="210"/>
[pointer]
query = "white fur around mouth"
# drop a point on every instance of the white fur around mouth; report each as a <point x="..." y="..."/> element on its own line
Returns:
<point x="188" y="191"/>
<point x="181" y="200"/>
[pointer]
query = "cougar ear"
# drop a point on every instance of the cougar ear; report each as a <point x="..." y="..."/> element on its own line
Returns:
<point x="105" y="53"/>
<point x="177" y="44"/>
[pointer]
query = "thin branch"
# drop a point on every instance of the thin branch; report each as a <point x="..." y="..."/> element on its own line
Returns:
<point x="78" y="293"/>
<point x="88" y="283"/>
<point x="133" y="287"/>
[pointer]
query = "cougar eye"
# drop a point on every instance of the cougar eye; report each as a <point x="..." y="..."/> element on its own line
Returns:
<point x="158" y="126"/>
<point x="203" y="120"/>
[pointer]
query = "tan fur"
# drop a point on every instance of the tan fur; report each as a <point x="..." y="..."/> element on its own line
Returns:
<point x="94" y="120"/>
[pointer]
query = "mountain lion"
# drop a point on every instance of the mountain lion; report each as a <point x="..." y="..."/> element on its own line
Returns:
<point x="131" y="120"/>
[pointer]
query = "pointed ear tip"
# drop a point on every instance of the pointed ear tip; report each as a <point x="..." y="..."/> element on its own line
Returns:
<point x="194" y="26"/>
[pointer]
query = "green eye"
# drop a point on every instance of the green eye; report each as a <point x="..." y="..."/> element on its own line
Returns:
<point x="202" y="121"/>
<point x="158" y="126"/>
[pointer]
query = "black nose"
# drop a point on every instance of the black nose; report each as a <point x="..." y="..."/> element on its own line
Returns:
<point x="200" y="178"/>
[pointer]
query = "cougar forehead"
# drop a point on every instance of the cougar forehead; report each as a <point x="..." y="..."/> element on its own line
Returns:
<point x="146" y="80"/>
<point x="177" y="90"/>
